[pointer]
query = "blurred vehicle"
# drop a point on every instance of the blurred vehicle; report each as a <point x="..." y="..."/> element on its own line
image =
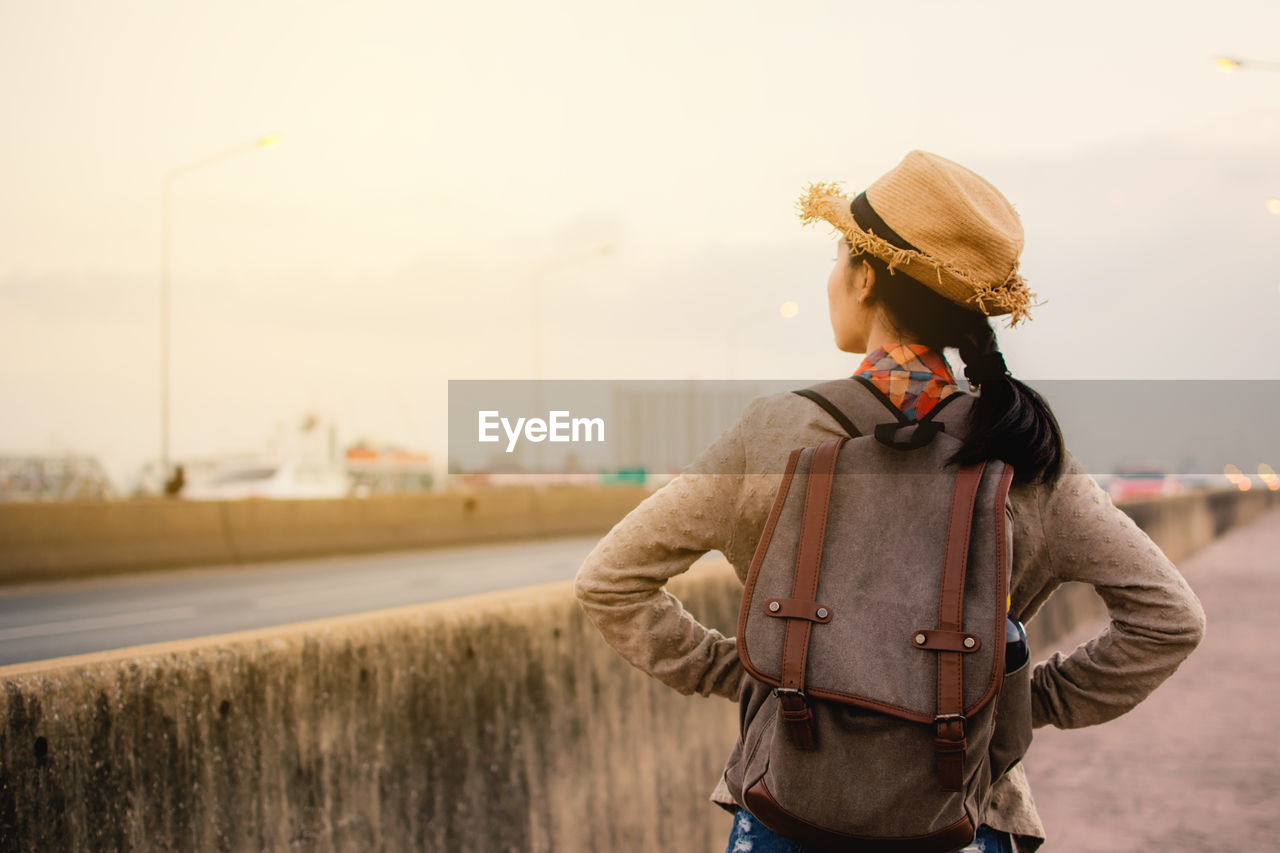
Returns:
<point x="388" y="470"/>
<point x="1202" y="482"/>
<point x="1142" y="481"/>
<point x="296" y="479"/>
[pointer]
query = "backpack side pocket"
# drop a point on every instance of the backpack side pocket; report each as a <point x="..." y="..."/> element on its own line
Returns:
<point x="1012" y="736"/>
<point x="748" y="761"/>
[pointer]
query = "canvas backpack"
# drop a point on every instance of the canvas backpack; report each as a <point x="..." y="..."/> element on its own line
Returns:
<point x="876" y="712"/>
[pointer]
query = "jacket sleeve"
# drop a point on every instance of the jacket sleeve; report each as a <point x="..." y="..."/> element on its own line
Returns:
<point x="1156" y="620"/>
<point x="621" y="583"/>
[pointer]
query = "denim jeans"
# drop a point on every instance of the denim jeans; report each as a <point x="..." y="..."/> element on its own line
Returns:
<point x="751" y="836"/>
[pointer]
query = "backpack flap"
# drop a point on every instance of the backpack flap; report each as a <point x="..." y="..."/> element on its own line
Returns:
<point x="854" y="610"/>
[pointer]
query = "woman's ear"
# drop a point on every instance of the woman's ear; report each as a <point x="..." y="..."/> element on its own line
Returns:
<point x="866" y="282"/>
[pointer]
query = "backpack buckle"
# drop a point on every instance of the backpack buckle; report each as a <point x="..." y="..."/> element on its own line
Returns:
<point x="793" y="700"/>
<point x="949" y="747"/>
<point x="946" y="734"/>
<point x="922" y="432"/>
<point x="796" y="717"/>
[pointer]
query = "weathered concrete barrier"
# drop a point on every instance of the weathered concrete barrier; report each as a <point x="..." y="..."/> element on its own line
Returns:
<point x="494" y="723"/>
<point x="1179" y="525"/>
<point x="50" y="541"/>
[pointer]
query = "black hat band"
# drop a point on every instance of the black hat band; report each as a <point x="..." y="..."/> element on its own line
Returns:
<point x="869" y="220"/>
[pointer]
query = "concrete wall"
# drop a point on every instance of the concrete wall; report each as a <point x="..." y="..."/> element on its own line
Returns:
<point x="48" y="541"/>
<point x="1179" y="525"/>
<point x="494" y="723"/>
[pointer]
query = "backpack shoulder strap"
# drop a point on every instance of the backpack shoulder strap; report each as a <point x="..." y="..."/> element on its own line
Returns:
<point x="859" y="406"/>
<point x="949" y="742"/>
<point x="831" y="409"/>
<point x="804" y="591"/>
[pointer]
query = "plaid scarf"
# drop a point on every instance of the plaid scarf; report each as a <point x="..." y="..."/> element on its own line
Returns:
<point x="913" y="376"/>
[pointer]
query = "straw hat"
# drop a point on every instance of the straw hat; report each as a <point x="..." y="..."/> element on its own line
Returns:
<point x="938" y="222"/>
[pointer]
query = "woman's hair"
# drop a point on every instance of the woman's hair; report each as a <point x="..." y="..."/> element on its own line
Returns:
<point x="1010" y="421"/>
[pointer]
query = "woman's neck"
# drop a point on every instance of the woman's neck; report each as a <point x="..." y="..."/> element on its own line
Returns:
<point x="881" y="336"/>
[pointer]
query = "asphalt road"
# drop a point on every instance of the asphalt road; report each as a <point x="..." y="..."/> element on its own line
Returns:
<point x="75" y="617"/>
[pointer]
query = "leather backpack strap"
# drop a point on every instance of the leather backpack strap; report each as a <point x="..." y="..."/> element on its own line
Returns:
<point x="857" y="400"/>
<point x="804" y="588"/>
<point x="949" y="741"/>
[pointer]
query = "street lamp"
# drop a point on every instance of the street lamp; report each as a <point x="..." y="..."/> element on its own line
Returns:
<point x="265" y="142"/>
<point x="1229" y="64"/>
<point x="539" y="274"/>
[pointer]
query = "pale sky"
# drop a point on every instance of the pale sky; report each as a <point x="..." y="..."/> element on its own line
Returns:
<point x="435" y="160"/>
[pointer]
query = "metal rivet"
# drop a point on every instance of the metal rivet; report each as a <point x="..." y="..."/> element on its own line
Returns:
<point x="774" y="607"/>
<point x="822" y="613"/>
<point x="969" y="642"/>
<point x="920" y="639"/>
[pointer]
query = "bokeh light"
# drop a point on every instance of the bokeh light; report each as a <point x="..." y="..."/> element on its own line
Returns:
<point x="1237" y="477"/>
<point x="1269" y="477"/>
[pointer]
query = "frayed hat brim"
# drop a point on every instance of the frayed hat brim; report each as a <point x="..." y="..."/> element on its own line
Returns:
<point x="827" y="202"/>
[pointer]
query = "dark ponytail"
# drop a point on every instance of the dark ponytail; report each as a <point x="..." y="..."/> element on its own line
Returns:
<point x="1011" y="421"/>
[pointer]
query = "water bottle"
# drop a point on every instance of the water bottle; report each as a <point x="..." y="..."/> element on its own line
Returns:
<point x="1016" y="650"/>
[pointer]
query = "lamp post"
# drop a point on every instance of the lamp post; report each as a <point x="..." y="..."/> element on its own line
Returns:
<point x="1230" y="63"/>
<point x="265" y="142"/>
<point x="539" y="275"/>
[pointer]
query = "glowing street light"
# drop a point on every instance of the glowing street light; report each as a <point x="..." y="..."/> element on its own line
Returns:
<point x="270" y="141"/>
<point x="1269" y="477"/>
<point x="1230" y="64"/>
<point x="1273" y="206"/>
<point x="1236" y="477"/>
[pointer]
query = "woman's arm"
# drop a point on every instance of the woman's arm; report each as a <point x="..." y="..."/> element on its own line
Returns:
<point x="1156" y="620"/>
<point x="620" y="585"/>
